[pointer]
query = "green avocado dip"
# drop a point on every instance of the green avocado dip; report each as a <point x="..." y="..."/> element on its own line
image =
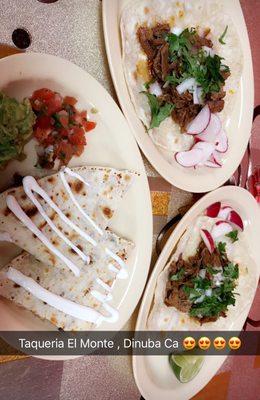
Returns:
<point x="16" y="127"/>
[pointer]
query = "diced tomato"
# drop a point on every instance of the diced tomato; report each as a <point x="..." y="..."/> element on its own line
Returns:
<point x="54" y="105"/>
<point x="44" y="122"/>
<point x="63" y="132"/>
<point x="49" y="140"/>
<point x="89" y="125"/>
<point x="42" y="134"/>
<point x="78" y="149"/>
<point x="63" y="118"/>
<point x="77" y="136"/>
<point x="64" y="152"/>
<point x="71" y="101"/>
<point x="43" y="94"/>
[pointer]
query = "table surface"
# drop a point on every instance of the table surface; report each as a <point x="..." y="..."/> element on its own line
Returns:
<point x="61" y="29"/>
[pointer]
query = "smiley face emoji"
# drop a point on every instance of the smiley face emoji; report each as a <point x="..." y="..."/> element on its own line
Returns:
<point x="189" y="343"/>
<point x="219" y="343"/>
<point x="204" y="343"/>
<point x="234" y="343"/>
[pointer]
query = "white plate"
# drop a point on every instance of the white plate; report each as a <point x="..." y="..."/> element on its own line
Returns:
<point x="109" y="144"/>
<point x="238" y="127"/>
<point x="153" y="375"/>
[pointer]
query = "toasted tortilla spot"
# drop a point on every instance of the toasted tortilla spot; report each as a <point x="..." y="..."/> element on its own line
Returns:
<point x="54" y="242"/>
<point x="107" y="212"/>
<point x="6" y="212"/>
<point x="127" y="178"/>
<point x="146" y="10"/>
<point x="52" y="216"/>
<point x="42" y="225"/>
<point x="78" y="186"/>
<point x="16" y="285"/>
<point x="23" y="197"/>
<point x="172" y="21"/>
<point x="86" y="291"/>
<point x="142" y="70"/>
<point x="105" y="178"/>
<point x="51" y="179"/>
<point x="181" y="14"/>
<point x="80" y="247"/>
<point x="72" y="251"/>
<point x="31" y="212"/>
<point x="53" y="319"/>
<point x="68" y="215"/>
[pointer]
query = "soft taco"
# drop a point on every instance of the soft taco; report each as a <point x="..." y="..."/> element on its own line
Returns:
<point x="207" y="282"/>
<point x="179" y="57"/>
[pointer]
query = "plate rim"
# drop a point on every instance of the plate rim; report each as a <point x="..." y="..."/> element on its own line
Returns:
<point x="146" y="255"/>
<point x="231" y="193"/>
<point x="186" y="181"/>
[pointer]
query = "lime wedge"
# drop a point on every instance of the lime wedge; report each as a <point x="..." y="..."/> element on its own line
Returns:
<point x="185" y="368"/>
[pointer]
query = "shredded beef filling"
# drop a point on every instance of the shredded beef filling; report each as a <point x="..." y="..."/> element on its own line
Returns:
<point x="156" y="48"/>
<point x="175" y="296"/>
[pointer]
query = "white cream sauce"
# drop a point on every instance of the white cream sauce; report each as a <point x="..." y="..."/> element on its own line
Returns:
<point x="30" y="186"/>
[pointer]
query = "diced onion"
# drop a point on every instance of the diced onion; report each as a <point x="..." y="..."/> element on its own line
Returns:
<point x="209" y="51"/>
<point x="155" y="89"/>
<point x="202" y="273"/>
<point x="200" y="299"/>
<point x="188" y="84"/>
<point x="176" y="30"/>
<point x="208" y="292"/>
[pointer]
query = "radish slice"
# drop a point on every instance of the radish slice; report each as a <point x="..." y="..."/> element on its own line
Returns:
<point x="189" y="158"/>
<point x="221" y="228"/>
<point x="224" y="212"/>
<point x="221" y="142"/>
<point x="188" y="84"/>
<point x="207" y="239"/>
<point x="213" y="210"/>
<point x="206" y="148"/>
<point x="235" y="219"/>
<point x="200" y="122"/>
<point x="155" y="89"/>
<point x="213" y="129"/>
<point x="217" y="158"/>
<point x="212" y="164"/>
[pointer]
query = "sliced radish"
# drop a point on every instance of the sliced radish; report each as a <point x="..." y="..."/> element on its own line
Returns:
<point x="235" y="219"/>
<point x="206" y="148"/>
<point x="212" y="164"/>
<point x="213" y="129"/>
<point x="207" y="239"/>
<point x="188" y="84"/>
<point x="200" y="122"/>
<point x="213" y="210"/>
<point x="224" y="212"/>
<point x="189" y="158"/>
<point x="221" y="142"/>
<point x="221" y="228"/>
<point x="217" y="157"/>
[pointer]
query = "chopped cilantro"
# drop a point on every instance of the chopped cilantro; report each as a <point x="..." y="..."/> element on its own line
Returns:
<point x="159" y="112"/>
<point x="231" y="271"/>
<point x="223" y="35"/>
<point x="222" y="247"/>
<point x="57" y="122"/>
<point x="233" y="236"/>
<point x="178" y="275"/>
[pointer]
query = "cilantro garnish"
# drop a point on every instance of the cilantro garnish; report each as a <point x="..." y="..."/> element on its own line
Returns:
<point x="222" y="247"/>
<point x="178" y="275"/>
<point x="223" y="35"/>
<point x="231" y="271"/>
<point x="233" y="236"/>
<point x="159" y="112"/>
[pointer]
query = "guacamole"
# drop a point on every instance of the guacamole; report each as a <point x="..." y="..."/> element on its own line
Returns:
<point x="16" y="127"/>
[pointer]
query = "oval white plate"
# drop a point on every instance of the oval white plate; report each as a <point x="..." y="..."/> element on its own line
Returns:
<point x="109" y="144"/>
<point x="238" y="127"/>
<point x="153" y="375"/>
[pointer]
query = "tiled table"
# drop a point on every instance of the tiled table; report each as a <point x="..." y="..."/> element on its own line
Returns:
<point x="73" y="29"/>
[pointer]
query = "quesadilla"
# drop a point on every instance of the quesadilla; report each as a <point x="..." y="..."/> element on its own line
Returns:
<point x="207" y="282"/>
<point x="61" y="219"/>
<point x="179" y="56"/>
<point x="74" y="260"/>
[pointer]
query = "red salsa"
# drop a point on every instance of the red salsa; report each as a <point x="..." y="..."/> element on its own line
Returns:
<point x="60" y="128"/>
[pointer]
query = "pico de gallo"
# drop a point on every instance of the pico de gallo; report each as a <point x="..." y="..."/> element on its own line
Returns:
<point x="60" y="128"/>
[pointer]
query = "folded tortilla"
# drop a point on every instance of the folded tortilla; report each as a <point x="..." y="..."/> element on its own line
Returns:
<point x="202" y="14"/>
<point x="62" y="282"/>
<point x="168" y="318"/>
<point x="98" y="199"/>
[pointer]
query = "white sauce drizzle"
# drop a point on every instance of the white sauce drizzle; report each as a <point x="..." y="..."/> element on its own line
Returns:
<point x="30" y="185"/>
<point x="85" y="215"/>
<point x="67" y="306"/>
<point x="14" y="206"/>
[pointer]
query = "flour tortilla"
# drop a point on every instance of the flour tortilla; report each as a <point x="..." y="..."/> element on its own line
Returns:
<point x="182" y="14"/>
<point x="167" y="318"/>
<point x="99" y="201"/>
<point x="63" y="283"/>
